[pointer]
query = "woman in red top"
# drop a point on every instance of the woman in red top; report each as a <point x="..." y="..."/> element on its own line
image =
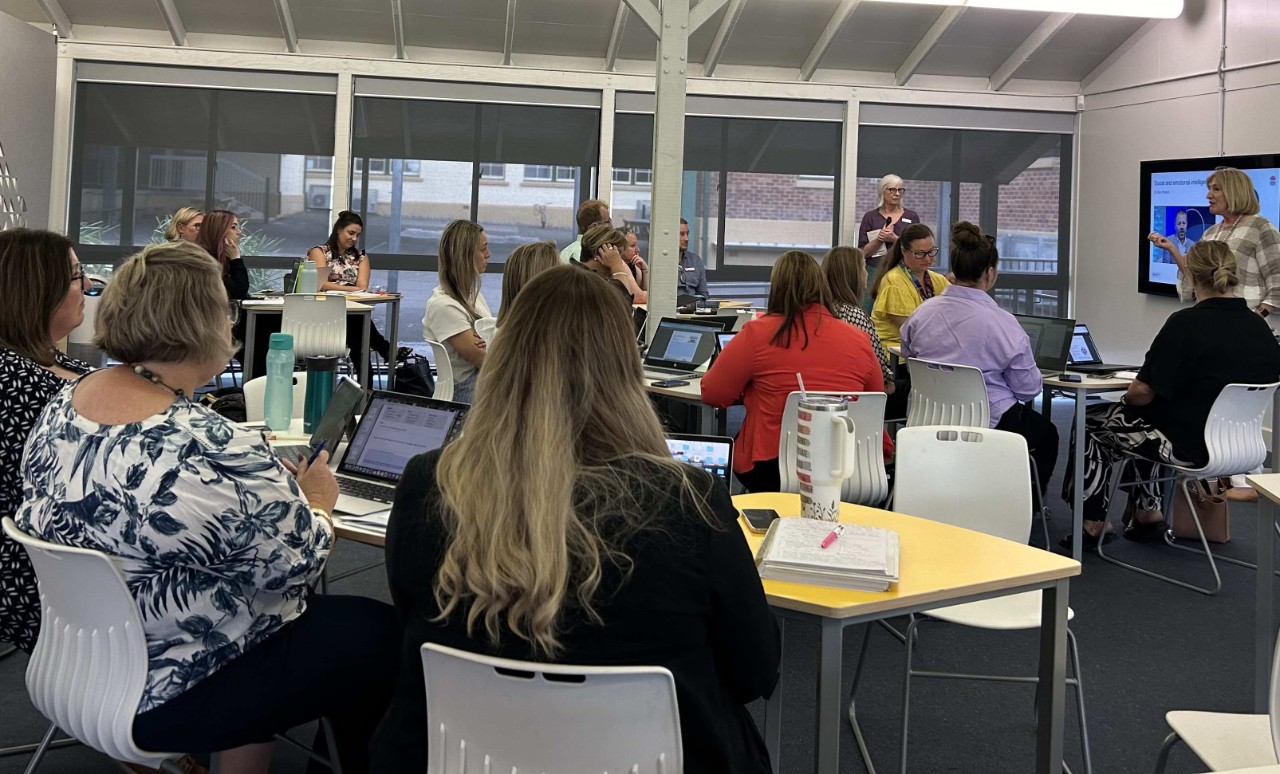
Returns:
<point x="798" y="334"/>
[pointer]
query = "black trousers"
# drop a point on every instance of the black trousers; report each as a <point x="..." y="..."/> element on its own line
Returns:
<point x="763" y="477"/>
<point x="337" y="660"/>
<point x="377" y="342"/>
<point x="895" y="407"/>
<point x="1041" y="435"/>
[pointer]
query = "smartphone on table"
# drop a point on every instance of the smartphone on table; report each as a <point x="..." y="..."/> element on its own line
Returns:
<point x="759" y="519"/>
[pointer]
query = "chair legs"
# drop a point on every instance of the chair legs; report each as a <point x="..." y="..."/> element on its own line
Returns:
<point x="1076" y="681"/>
<point x="1040" y="509"/>
<point x="1165" y="748"/>
<point x="1118" y="474"/>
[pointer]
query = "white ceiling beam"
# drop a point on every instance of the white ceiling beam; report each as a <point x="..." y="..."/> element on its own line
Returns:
<point x="57" y="17"/>
<point x="286" y="25"/>
<point x="827" y="37"/>
<point x="173" y="20"/>
<point x="648" y="13"/>
<point x="721" y="39"/>
<point x="397" y="23"/>
<point x="1034" y="42"/>
<point x="509" y="37"/>
<point x="926" y="44"/>
<point x="701" y="13"/>
<point x="615" y="37"/>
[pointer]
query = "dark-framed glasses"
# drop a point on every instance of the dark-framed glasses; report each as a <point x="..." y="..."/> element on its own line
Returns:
<point x="895" y="190"/>
<point x="922" y="254"/>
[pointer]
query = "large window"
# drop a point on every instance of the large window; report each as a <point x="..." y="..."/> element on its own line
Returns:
<point x="518" y="170"/>
<point x="753" y="187"/>
<point x="141" y="152"/>
<point x="1014" y="184"/>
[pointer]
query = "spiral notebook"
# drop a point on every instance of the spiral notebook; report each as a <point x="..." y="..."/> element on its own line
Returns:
<point x="862" y="558"/>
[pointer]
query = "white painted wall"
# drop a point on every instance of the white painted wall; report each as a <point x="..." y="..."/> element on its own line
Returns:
<point x="1159" y="99"/>
<point x="29" y="58"/>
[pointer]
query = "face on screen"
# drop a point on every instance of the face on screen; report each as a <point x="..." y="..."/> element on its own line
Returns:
<point x="1180" y="223"/>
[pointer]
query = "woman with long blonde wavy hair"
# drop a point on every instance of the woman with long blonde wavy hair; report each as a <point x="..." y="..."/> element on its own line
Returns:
<point x="557" y="527"/>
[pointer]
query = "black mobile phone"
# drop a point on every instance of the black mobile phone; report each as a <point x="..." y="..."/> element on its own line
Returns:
<point x="670" y="383"/>
<point x="759" y="519"/>
<point x="1072" y="378"/>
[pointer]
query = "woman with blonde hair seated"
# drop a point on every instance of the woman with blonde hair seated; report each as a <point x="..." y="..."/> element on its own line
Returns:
<point x="457" y="303"/>
<point x="217" y="539"/>
<point x="558" y="528"/>
<point x="603" y="248"/>
<point x="523" y="264"/>
<point x="798" y="334"/>
<point x="184" y="225"/>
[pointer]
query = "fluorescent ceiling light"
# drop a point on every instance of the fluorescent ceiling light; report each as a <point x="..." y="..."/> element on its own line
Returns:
<point x="1146" y="9"/>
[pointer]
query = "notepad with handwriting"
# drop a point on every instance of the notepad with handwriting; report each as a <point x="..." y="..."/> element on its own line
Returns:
<point x="862" y="558"/>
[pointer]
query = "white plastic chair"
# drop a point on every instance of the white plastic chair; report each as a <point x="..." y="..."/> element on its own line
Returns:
<point x="486" y="327"/>
<point x="89" y="666"/>
<point x="255" y="396"/>
<point x="318" y="324"/>
<point x="1227" y="740"/>
<point x="869" y="484"/>
<point x="494" y="714"/>
<point x="1233" y="436"/>
<point x="444" y="371"/>
<point x="946" y="394"/>
<point x="936" y="480"/>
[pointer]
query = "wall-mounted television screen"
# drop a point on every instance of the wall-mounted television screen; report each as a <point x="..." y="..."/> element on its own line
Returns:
<point x="1174" y="204"/>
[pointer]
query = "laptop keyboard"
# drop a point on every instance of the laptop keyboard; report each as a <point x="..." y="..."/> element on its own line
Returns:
<point x="366" y="490"/>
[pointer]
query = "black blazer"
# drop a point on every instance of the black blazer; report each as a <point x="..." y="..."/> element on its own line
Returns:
<point x="693" y="604"/>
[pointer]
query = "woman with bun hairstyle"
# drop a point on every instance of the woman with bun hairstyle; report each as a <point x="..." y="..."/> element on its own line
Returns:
<point x="966" y="327"/>
<point x="184" y="225"/>
<point x="1162" y="415"/>
<point x="344" y="267"/>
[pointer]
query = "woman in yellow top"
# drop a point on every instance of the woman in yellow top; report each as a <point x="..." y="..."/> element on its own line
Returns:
<point x="902" y="283"/>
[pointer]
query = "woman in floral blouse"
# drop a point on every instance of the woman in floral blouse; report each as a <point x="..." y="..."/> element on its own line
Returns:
<point x="43" y="287"/>
<point x="344" y="267"/>
<point x="217" y="539"/>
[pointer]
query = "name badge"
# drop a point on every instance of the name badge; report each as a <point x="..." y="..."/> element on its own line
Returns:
<point x="905" y="220"/>
<point x="689" y="268"/>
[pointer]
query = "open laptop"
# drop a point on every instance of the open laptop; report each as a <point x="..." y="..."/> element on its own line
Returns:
<point x="723" y="338"/>
<point x="1085" y="358"/>
<point x="680" y="348"/>
<point x="1050" y="341"/>
<point x="338" y="418"/>
<point x="712" y="453"/>
<point x="395" y="428"/>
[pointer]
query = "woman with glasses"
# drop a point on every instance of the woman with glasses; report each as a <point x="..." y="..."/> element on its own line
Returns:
<point x="217" y="538"/>
<point x="883" y="226"/>
<point x="902" y="283"/>
<point x="43" y="285"/>
<point x="966" y="327"/>
<point x="184" y="225"/>
<point x="798" y="334"/>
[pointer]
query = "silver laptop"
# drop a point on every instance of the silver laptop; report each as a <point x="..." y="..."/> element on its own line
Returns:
<point x="338" y="418"/>
<point x="1085" y="358"/>
<point x="712" y="453"/>
<point x="680" y="348"/>
<point x="395" y="428"/>
<point x="1050" y="341"/>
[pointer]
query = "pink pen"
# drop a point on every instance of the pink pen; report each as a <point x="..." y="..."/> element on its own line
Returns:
<point x="835" y="533"/>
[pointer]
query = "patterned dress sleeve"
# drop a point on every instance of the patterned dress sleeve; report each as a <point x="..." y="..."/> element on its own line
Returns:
<point x="1268" y="257"/>
<point x="856" y="317"/>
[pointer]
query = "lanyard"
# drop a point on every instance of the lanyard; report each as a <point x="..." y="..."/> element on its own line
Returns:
<point x="925" y="291"/>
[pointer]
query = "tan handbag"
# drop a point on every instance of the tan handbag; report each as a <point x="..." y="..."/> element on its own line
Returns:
<point x="1211" y="507"/>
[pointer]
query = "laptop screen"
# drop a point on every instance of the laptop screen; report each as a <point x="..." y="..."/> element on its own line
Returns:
<point x="396" y="428"/>
<point x="1050" y="339"/>
<point x="723" y="339"/>
<point x="1083" y="350"/>
<point x="712" y="453"/>
<point x="681" y="344"/>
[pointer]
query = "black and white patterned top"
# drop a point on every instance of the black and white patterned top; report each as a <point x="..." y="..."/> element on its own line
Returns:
<point x="345" y="268"/>
<point x="211" y="533"/>
<point x="26" y="388"/>
<point x="856" y="317"/>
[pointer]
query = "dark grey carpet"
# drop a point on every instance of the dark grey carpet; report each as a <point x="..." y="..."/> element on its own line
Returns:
<point x="1147" y="647"/>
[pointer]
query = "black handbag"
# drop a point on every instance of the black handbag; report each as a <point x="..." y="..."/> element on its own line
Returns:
<point x="414" y="377"/>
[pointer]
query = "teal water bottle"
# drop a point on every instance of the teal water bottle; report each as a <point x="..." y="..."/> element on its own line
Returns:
<point x="320" y="376"/>
<point x="278" y="405"/>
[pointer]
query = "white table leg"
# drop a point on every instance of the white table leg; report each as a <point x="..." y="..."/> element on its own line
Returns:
<point x="1264" y="630"/>
<point x="1053" y="673"/>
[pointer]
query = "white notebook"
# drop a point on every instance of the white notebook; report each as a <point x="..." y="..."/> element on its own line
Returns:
<point x="863" y="558"/>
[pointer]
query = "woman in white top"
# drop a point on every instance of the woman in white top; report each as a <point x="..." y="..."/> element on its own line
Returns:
<point x="456" y="304"/>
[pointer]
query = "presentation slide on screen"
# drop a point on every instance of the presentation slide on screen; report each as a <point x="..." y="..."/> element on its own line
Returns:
<point x="1180" y="212"/>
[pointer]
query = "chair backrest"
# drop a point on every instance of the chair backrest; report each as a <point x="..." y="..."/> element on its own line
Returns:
<point x="89" y="666"/>
<point x="946" y="394"/>
<point x="318" y="324"/>
<point x="970" y="477"/>
<point x="255" y="396"/>
<point x="1233" y="432"/>
<point x="444" y="371"/>
<point x="869" y="484"/>
<point x="486" y="327"/>
<point x="493" y="714"/>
